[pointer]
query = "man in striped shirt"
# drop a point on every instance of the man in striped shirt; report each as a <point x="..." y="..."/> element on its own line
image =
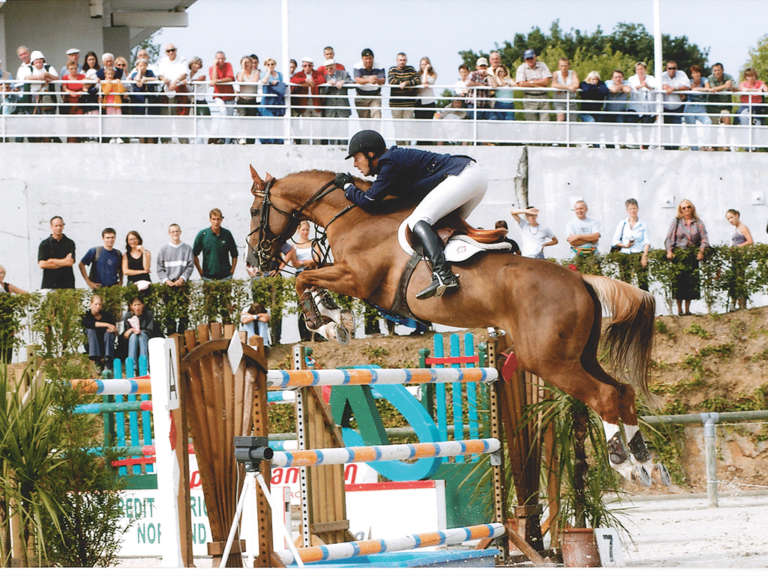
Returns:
<point x="404" y="81"/>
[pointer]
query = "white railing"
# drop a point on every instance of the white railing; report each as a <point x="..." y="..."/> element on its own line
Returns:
<point x="212" y="119"/>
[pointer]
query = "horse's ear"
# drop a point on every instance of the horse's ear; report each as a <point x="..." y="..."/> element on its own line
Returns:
<point x="255" y="175"/>
<point x="269" y="177"/>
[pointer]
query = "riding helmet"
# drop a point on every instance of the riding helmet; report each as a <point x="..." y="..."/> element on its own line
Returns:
<point x="367" y="141"/>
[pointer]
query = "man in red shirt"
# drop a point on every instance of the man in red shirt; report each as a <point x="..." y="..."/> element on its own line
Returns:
<point x="222" y="76"/>
<point x="305" y="89"/>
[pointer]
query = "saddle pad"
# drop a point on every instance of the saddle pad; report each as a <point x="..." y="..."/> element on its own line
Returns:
<point x="460" y="248"/>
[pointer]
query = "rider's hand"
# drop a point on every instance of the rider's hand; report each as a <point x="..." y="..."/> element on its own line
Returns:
<point x="342" y="179"/>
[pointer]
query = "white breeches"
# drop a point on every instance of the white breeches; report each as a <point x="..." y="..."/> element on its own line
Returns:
<point x="463" y="191"/>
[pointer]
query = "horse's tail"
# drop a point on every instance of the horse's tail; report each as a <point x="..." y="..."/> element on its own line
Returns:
<point x="628" y="338"/>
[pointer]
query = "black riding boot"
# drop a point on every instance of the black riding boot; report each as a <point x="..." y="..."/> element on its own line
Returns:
<point x="442" y="278"/>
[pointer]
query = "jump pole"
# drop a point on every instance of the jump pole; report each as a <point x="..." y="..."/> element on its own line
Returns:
<point x="281" y="379"/>
<point x="410" y="542"/>
<point x="113" y="386"/>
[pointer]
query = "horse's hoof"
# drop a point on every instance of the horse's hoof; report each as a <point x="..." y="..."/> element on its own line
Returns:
<point x="640" y="475"/>
<point x="348" y="321"/>
<point x="661" y="474"/>
<point x="342" y="334"/>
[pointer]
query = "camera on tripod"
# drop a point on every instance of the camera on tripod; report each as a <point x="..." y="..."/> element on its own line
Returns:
<point x="252" y="450"/>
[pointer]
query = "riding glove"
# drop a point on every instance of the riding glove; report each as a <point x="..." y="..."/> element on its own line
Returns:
<point x="342" y="180"/>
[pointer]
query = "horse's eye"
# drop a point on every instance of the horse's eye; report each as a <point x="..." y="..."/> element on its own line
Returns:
<point x="254" y="212"/>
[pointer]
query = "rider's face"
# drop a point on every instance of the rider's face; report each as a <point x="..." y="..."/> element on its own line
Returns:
<point x="362" y="163"/>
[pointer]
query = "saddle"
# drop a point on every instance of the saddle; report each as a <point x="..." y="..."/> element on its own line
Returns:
<point x="454" y="224"/>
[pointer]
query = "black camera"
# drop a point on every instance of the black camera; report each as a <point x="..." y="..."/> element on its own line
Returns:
<point x="252" y="449"/>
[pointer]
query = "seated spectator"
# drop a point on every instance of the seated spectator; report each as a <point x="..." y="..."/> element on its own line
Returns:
<point x="454" y="112"/>
<point x="137" y="261"/>
<point x="515" y="247"/>
<point x="255" y="320"/>
<point x="617" y="99"/>
<point x="632" y="238"/>
<point x="7" y="288"/>
<point x="502" y="83"/>
<point x="535" y="236"/>
<point x="741" y="238"/>
<point x="593" y="93"/>
<point x="751" y="111"/>
<point x="139" y="324"/>
<point x="686" y="231"/>
<point x="695" y="104"/>
<point x="100" y="331"/>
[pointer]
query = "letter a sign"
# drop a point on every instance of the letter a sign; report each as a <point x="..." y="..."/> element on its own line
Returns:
<point x="172" y="373"/>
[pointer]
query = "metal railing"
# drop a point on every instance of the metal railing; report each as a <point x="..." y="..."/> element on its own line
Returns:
<point x="200" y="118"/>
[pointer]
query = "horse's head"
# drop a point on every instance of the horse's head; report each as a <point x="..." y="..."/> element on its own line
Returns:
<point x="271" y="223"/>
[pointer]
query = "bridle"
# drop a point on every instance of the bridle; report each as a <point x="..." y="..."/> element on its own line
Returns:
<point x="269" y="242"/>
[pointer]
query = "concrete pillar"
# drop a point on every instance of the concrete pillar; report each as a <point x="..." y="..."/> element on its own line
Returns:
<point x="117" y="40"/>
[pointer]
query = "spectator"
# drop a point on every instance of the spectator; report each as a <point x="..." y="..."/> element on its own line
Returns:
<point x="6" y="287"/>
<point x="369" y="77"/>
<point x="306" y="91"/>
<point x="73" y="55"/>
<point x="24" y="70"/>
<point x="217" y="245"/>
<point x="425" y="103"/>
<point x="633" y="239"/>
<point x="90" y="69"/>
<point x="142" y="54"/>
<point x="695" y="106"/>
<point x="686" y="231"/>
<point x="641" y="99"/>
<point x="100" y="331"/>
<point x="460" y="88"/>
<point x="137" y="261"/>
<point x="7" y="89"/>
<point x="144" y="86"/>
<point x="173" y="71"/>
<point x="672" y="81"/>
<point x="514" y="246"/>
<point x="750" y="111"/>
<point x="593" y="93"/>
<point x="255" y="319"/>
<point x="403" y="80"/>
<point x="535" y="236"/>
<point x="56" y="256"/>
<point x="108" y="61"/>
<point x="494" y="61"/>
<point x="454" y="112"/>
<point x="504" y="104"/>
<point x="329" y="54"/>
<point x="741" y="238"/>
<point x="221" y="77"/>
<point x="122" y="64"/>
<point x="308" y="255"/>
<point x="335" y="101"/>
<point x="273" y="101"/>
<point x="75" y="93"/>
<point x="139" y="324"/>
<point x="583" y="233"/>
<point x="292" y="65"/>
<point x="534" y="74"/>
<point x="112" y="90"/>
<point x="39" y="80"/>
<point x="198" y="88"/>
<point x="248" y="80"/>
<point x="482" y="100"/>
<point x="105" y="262"/>
<point x="567" y="83"/>
<point x="175" y="264"/>
<point x="720" y="86"/>
<point x="617" y="99"/>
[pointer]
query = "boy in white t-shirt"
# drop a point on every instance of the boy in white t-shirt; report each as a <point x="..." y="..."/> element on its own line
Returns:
<point x="535" y="237"/>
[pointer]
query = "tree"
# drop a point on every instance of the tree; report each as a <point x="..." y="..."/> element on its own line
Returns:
<point x="153" y="49"/>
<point x="758" y="59"/>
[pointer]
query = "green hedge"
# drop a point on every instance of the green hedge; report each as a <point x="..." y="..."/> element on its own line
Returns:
<point x="53" y="319"/>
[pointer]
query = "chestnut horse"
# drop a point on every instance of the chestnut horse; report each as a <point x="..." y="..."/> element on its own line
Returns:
<point x="551" y="314"/>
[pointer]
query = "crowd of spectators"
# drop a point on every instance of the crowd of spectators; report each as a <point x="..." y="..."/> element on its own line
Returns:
<point x="176" y="86"/>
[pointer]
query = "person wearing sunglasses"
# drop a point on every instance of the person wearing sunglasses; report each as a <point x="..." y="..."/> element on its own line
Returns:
<point x="687" y="231"/>
<point x="673" y="81"/>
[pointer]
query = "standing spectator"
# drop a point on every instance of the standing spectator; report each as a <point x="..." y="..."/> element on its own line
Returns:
<point x="108" y="61"/>
<point x="56" y="256"/>
<point x="503" y="84"/>
<point x="306" y="91"/>
<point x="672" y="81"/>
<point x="105" y="262"/>
<point x="175" y="264"/>
<point x="292" y="65"/>
<point x="482" y="100"/>
<point x="534" y="74"/>
<point x="308" y="255"/>
<point x="633" y="239"/>
<point x="425" y="103"/>
<point x="494" y="61"/>
<point x="741" y="238"/>
<point x="686" y="231"/>
<point x="173" y="71"/>
<point x="90" y="69"/>
<point x="593" y="93"/>
<point x="329" y="54"/>
<point x="460" y="88"/>
<point x="7" y="89"/>
<point x="221" y="77"/>
<point x="112" y="90"/>
<point x="720" y="86"/>
<point x="567" y="83"/>
<point x="273" y="99"/>
<point x="137" y="261"/>
<point x="641" y="99"/>
<point x="369" y="77"/>
<point x="335" y="101"/>
<point x="751" y="111"/>
<point x="617" y="99"/>
<point x="75" y="94"/>
<point x="24" y="70"/>
<point x="198" y="87"/>
<point x="73" y="55"/>
<point x="144" y="87"/>
<point x="139" y="324"/>
<point x="6" y="287"/>
<point x="695" y="106"/>
<point x="217" y="245"/>
<point x="248" y="88"/>
<point x="403" y="80"/>
<point x="535" y="236"/>
<point x="255" y="319"/>
<point x="100" y="331"/>
<point x="39" y="80"/>
<point x="583" y="233"/>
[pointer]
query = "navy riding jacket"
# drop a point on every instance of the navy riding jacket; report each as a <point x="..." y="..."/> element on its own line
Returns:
<point x="407" y="172"/>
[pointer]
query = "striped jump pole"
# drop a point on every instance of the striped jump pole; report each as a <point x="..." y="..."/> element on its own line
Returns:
<point x="115" y="407"/>
<point x="329" y="456"/>
<point x="411" y="542"/>
<point x="116" y="386"/>
<point x="280" y="379"/>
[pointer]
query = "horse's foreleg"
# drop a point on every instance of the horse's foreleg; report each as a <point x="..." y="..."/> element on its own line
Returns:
<point x="339" y="278"/>
<point x="620" y="459"/>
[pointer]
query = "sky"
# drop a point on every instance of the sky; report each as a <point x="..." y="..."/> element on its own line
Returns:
<point x="440" y="29"/>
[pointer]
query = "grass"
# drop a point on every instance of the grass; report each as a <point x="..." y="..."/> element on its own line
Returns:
<point x="697" y="330"/>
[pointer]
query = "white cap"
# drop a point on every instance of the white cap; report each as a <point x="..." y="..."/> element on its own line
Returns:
<point x="308" y="60"/>
<point x="73" y="51"/>
<point x="329" y="62"/>
<point x="36" y="55"/>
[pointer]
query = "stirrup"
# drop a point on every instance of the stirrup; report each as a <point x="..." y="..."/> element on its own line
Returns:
<point x="439" y="286"/>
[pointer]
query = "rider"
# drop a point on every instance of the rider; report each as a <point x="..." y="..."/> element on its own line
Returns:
<point x="441" y="183"/>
